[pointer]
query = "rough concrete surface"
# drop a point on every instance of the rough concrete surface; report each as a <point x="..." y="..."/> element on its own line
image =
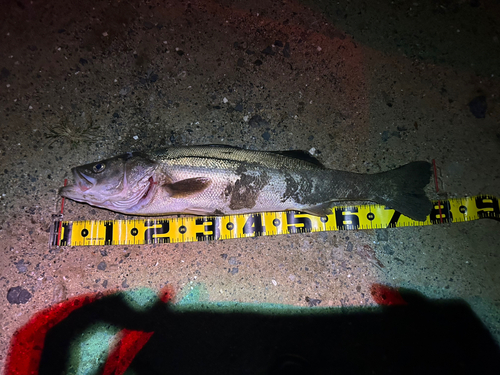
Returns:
<point x="368" y="86"/>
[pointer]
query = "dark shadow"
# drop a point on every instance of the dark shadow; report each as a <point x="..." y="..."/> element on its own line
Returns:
<point x="460" y="34"/>
<point x="423" y="337"/>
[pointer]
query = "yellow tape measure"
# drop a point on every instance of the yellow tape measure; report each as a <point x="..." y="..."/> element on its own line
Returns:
<point x="202" y="228"/>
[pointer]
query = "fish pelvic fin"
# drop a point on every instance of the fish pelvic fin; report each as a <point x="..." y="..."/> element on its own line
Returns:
<point x="402" y="189"/>
<point x="187" y="187"/>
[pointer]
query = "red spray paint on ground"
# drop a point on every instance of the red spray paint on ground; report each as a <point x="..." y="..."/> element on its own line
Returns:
<point x="28" y="342"/>
<point x="387" y="296"/>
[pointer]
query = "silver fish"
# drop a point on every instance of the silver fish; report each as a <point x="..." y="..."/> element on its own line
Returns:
<point x="216" y="180"/>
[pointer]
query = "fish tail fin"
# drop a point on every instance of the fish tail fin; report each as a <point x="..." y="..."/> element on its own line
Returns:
<point x="402" y="189"/>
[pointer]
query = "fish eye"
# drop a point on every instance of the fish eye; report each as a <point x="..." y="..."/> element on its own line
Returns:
<point x="99" y="167"/>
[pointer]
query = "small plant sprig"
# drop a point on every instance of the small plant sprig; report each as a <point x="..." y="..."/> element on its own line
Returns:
<point x="72" y="133"/>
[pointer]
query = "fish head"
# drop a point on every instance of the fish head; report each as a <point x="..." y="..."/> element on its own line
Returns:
<point x="123" y="183"/>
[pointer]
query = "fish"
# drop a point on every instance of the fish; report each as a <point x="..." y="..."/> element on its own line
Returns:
<point x="219" y="180"/>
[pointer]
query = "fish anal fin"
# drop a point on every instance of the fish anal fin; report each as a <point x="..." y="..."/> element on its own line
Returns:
<point x="322" y="209"/>
<point x="187" y="187"/>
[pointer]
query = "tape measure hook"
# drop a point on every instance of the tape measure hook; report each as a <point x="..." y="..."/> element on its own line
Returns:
<point x="54" y="231"/>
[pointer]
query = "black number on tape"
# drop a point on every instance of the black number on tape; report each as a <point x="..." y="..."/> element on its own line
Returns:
<point x="254" y="225"/>
<point x="488" y="207"/>
<point x="151" y="232"/>
<point x="66" y="233"/>
<point x="108" y="240"/>
<point x="347" y="218"/>
<point x="294" y="222"/>
<point x="212" y="226"/>
<point x="394" y="219"/>
<point x="446" y="214"/>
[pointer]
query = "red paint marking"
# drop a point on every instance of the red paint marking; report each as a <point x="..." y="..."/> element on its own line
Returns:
<point x="62" y="211"/>
<point x="27" y="343"/>
<point x="166" y="294"/>
<point x="437" y="189"/>
<point x="130" y="343"/>
<point x="387" y="296"/>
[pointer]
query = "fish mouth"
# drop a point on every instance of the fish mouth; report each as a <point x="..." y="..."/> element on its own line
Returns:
<point x="82" y="183"/>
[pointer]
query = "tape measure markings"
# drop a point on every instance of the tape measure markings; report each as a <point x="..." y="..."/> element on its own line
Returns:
<point x="202" y="228"/>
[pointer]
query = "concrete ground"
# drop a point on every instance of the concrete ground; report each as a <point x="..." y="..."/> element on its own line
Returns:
<point x="366" y="86"/>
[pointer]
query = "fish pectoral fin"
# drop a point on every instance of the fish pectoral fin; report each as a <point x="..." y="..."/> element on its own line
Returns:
<point x="187" y="187"/>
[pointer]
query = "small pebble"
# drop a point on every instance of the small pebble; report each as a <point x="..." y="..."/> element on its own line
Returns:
<point x="257" y="121"/>
<point x="478" y="106"/>
<point x="18" y="295"/>
<point x="268" y="51"/>
<point x="382" y="235"/>
<point x="21" y="266"/>
<point x="313" y="301"/>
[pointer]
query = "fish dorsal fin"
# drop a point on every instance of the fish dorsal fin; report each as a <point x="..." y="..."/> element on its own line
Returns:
<point x="187" y="187"/>
<point x="301" y="155"/>
<point x="223" y="146"/>
<point x="294" y="154"/>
